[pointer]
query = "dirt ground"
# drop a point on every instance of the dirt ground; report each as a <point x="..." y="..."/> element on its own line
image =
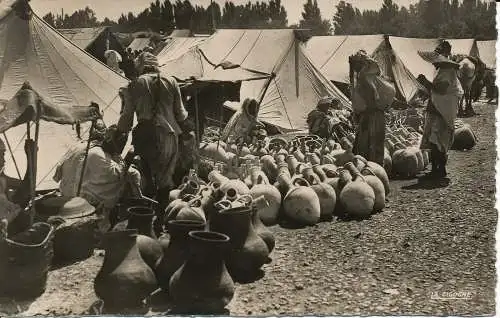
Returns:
<point x="431" y="244"/>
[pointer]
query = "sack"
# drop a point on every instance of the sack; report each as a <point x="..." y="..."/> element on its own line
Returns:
<point x="145" y="139"/>
<point x="386" y="92"/>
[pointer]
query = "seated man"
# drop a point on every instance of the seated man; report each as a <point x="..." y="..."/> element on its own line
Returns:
<point x="105" y="177"/>
<point x="69" y="170"/>
<point x="320" y="120"/>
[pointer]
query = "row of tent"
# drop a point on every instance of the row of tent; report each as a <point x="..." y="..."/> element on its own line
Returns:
<point x="277" y="67"/>
<point x="289" y="71"/>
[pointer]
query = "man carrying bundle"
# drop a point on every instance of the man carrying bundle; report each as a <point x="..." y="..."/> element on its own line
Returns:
<point x="371" y="95"/>
<point x="162" y="118"/>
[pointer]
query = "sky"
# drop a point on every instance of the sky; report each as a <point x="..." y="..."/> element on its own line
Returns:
<point x="114" y="8"/>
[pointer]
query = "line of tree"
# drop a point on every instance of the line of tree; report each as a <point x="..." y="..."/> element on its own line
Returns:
<point x="426" y="18"/>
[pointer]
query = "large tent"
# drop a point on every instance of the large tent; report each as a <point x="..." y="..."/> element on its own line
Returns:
<point x="93" y="40"/>
<point x="464" y="47"/>
<point x="175" y="47"/>
<point x="61" y="73"/>
<point x="290" y="90"/>
<point x="139" y="44"/>
<point x="331" y="53"/>
<point x="487" y="52"/>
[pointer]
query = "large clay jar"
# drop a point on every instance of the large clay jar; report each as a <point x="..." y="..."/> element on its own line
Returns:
<point x="327" y="199"/>
<point x="202" y="285"/>
<point x="248" y="250"/>
<point x="174" y="253"/>
<point x="269" y="214"/>
<point x="301" y="204"/>
<point x="124" y="279"/>
<point x="141" y="219"/>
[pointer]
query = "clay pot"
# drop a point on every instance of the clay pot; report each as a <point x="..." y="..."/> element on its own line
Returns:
<point x="262" y="231"/>
<point x="175" y="206"/>
<point x="141" y="219"/>
<point x="298" y="155"/>
<point x="248" y="250"/>
<point x="202" y="285"/>
<point x="327" y="199"/>
<point x="301" y="204"/>
<point x="174" y="251"/>
<point x="192" y="211"/>
<point x="292" y="164"/>
<point x="268" y="215"/>
<point x="318" y="170"/>
<point x="309" y="175"/>
<point x="189" y="187"/>
<point x="269" y="167"/>
<point x="124" y="279"/>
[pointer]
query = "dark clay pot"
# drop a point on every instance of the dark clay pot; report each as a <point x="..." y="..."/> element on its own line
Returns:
<point x="263" y="231"/>
<point x="141" y="219"/>
<point x="202" y="285"/>
<point x="248" y="252"/>
<point x="124" y="279"/>
<point x="174" y="252"/>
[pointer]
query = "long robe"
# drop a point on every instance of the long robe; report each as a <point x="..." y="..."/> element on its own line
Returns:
<point x="440" y="118"/>
<point x="370" y="135"/>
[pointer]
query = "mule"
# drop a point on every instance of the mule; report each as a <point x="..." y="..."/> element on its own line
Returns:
<point x="466" y="75"/>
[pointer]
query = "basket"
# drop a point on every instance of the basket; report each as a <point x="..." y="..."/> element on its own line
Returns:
<point x="25" y="262"/>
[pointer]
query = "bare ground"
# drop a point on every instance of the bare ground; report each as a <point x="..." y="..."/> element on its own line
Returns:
<point x="430" y="243"/>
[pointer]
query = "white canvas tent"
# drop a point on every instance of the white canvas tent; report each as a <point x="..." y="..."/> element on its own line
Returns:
<point x="331" y="53"/>
<point x="487" y="53"/>
<point x="287" y="97"/>
<point x="61" y="72"/>
<point x="139" y="44"/>
<point x="175" y="47"/>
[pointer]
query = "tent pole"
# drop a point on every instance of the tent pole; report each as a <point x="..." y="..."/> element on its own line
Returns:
<point x="197" y="119"/>
<point x="12" y="155"/>
<point x="84" y="165"/>
<point x="221" y="117"/>
<point x="28" y="130"/>
<point x="297" y="51"/>
<point x="35" y="161"/>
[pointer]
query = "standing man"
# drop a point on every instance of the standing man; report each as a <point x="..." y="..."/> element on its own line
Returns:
<point x="161" y="117"/>
<point x="445" y="91"/>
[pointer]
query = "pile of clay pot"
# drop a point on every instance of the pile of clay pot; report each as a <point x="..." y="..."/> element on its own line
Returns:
<point x="207" y="239"/>
<point x="305" y="181"/>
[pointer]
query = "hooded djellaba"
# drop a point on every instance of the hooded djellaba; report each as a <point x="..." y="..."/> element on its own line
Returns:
<point x="242" y="123"/>
<point x="157" y="103"/>
<point x="445" y="92"/>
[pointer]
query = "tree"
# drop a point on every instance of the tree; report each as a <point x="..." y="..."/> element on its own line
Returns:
<point x="311" y="19"/>
<point x="343" y="18"/>
<point x="167" y="16"/>
<point x="50" y="19"/>
<point x="388" y="21"/>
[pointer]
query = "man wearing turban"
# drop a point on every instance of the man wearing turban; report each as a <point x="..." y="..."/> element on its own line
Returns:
<point x="157" y="103"/>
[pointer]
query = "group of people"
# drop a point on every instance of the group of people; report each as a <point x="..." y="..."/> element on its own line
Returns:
<point x="371" y="96"/>
<point x="125" y="65"/>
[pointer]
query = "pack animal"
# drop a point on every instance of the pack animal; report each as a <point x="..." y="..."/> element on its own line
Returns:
<point x="467" y="76"/>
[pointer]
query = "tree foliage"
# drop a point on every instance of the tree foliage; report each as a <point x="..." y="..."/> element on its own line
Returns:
<point x="311" y="19"/>
<point x="426" y="19"/>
